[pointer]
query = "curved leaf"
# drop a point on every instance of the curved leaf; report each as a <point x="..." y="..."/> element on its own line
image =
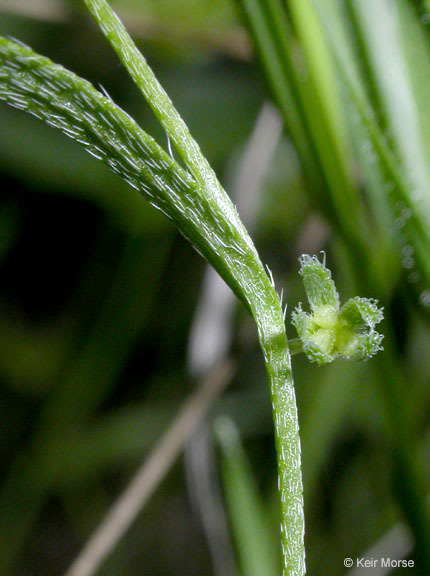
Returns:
<point x="69" y="103"/>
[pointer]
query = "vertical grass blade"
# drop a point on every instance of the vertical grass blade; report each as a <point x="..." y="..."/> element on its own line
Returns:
<point x="256" y="551"/>
<point x="301" y="88"/>
<point x="407" y="208"/>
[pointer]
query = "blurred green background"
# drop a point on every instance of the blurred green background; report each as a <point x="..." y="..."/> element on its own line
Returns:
<point x="99" y="294"/>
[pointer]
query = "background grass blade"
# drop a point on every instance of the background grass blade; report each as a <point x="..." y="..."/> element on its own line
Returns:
<point x="301" y="87"/>
<point x="406" y="207"/>
<point x="254" y="542"/>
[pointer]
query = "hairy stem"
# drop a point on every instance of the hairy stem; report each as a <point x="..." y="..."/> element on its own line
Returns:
<point x="254" y="287"/>
<point x="278" y="366"/>
<point x="194" y="201"/>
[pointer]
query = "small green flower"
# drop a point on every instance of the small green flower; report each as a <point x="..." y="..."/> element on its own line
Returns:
<point x="331" y="332"/>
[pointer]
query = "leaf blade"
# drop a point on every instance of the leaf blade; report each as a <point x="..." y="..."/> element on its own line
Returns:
<point x="65" y="101"/>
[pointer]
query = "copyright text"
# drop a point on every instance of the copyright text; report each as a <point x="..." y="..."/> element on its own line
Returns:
<point x="377" y="562"/>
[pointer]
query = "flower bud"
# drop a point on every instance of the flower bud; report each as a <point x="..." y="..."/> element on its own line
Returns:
<point x="329" y="332"/>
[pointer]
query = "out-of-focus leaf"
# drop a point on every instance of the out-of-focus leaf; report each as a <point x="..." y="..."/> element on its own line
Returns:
<point x="197" y="204"/>
<point x="323" y="418"/>
<point x="415" y="48"/>
<point x="86" y="381"/>
<point x="408" y="210"/>
<point x="402" y="89"/>
<point x="64" y="101"/>
<point x="202" y="13"/>
<point x="254" y="544"/>
<point x="300" y="87"/>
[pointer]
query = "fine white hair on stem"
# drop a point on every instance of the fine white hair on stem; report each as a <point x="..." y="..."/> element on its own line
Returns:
<point x="272" y="282"/>
<point x="169" y="147"/>
<point x="105" y="92"/>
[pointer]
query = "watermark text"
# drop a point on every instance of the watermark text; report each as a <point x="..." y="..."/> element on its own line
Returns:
<point x="377" y="563"/>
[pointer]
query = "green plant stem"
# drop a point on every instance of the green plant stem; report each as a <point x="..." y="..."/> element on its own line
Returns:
<point x="250" y="281"/>
<point x="193" y="200"/>
<point x="157" y="98"/>
<point x="287" y="439"/>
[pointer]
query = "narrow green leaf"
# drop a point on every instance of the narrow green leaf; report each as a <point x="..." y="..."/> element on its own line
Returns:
<point x="268" y="29"/>
<point x="232" y="253"/>
<point x="390" y="76"/>
<point x="254" y="545"/>
<point x="408" y="208"/>
<point x="64" y="101"/>
<point x="415" y="47"/>
<point x="300" y="89"/>
<point x="227" y="245"/>
<point x="162" y="106"/>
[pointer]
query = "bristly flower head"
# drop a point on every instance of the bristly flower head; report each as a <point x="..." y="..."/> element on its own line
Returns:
<point x="331" y="332"/>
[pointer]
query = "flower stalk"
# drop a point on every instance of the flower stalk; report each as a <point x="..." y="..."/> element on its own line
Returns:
<point x="191" y="198"/>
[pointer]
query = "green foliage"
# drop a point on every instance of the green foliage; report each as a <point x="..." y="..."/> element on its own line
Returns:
<point x="98" y="292"/>
<point x="196" y="204"/>
<point x="371" y="187"/>
<point x="253" y="538"/>
<point x="64" y="101"/>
